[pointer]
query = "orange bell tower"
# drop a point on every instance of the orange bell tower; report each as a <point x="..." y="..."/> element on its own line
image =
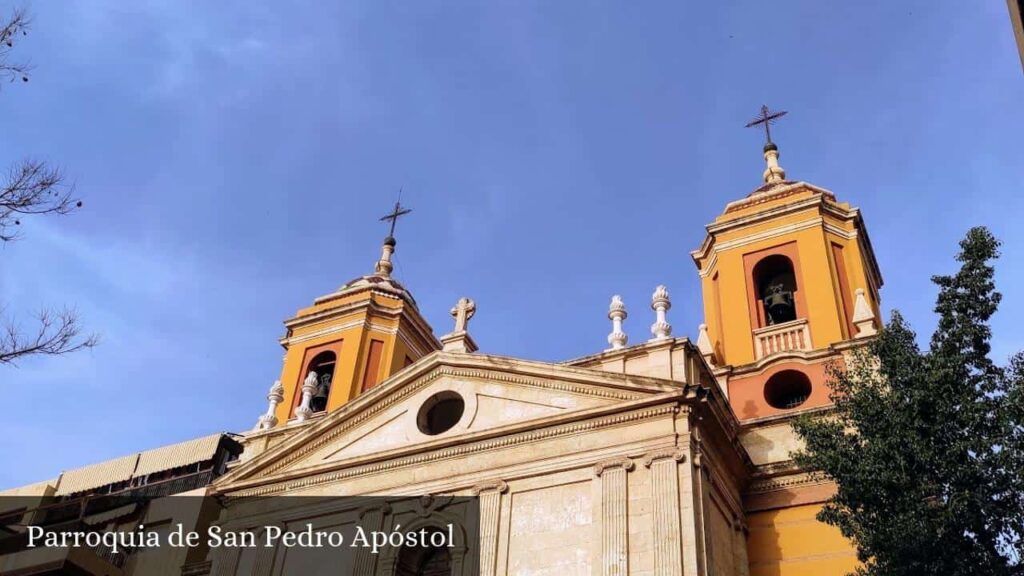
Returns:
<point x="790" y="284"/>
<point x="787" y="274"/>
<point x="347" y="342"/>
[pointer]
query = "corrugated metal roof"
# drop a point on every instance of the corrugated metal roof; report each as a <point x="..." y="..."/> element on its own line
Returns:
<point x="96" y="475"/>
<point x="140" y="464"/>
<point x="175" y="455"/>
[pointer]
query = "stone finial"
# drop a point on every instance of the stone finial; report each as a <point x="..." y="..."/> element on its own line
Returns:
<point x="773" y="172"/>
<point x="863" y="316"/>
<point x="274" y="397"/>
<point x="660" y="304"/>
<point x="463" y="311"/>
<point x="704" y="345"/>
<point x="459" y="340"/>
<point x="309" y="386"/>
<point x="384" y="265"/>
<point x="617" y="313"/>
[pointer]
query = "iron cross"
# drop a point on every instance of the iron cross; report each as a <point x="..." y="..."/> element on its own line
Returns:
<point x="394" y="215"/>
<point x="766" y="117"/>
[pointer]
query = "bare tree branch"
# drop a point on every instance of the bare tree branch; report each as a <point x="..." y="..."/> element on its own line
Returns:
<point x="58" y="333"/>
<point x="15" y="27"/>
<point x="32" y="188"/>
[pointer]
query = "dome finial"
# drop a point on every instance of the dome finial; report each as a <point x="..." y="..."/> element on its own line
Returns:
<point x="384" y="265"/>
<point x="660" y="303"/>
<point x="617" y="313"/>
<point x="773" y="172"/>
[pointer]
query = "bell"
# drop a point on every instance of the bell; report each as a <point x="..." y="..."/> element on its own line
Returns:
<point x="778" y="303"/>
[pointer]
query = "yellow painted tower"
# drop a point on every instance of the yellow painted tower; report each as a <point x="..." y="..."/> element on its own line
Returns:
<point x="790" y="284"/>
<point x="349" y="341"/>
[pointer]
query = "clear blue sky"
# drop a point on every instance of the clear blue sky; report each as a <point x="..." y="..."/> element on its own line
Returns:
<point x="234" y="158"/>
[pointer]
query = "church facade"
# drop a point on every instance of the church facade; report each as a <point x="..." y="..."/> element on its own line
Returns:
<point x="666" y="457"/>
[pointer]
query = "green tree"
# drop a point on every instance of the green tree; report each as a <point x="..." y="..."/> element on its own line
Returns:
<point x="927" y="447"/>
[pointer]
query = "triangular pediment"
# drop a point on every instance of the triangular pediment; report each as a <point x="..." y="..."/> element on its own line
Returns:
<point x="485" y="395"/>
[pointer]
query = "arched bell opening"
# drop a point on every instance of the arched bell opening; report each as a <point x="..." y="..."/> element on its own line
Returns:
<point x="323" y="365"/>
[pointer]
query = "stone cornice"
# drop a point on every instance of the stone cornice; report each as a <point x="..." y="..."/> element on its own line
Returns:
<point x="374" y="464"/>
<point x="418" y="324"/>
<point x="822" y="199"/>
<point x="648" y="346"/>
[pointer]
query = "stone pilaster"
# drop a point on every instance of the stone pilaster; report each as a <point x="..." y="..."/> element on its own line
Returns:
<point x="664" y="466"/>
<point x="224" y="559"/>
<point x="264" y="562"/>
<point x="614" y="560"/>
<point x="489" y="494"/>
<point x="371" y="518"/>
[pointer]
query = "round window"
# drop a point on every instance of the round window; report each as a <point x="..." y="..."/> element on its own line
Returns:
<point x="440" y="413"/>
<point x="787" y="389"/>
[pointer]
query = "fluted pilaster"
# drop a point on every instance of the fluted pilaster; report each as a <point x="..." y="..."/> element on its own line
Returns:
<point x="371" y="518"/>
<point x="614" y="529"/>
<point x="490" y="512"/>
<point x="664" y="466"/>
<point x="264" y="562"/>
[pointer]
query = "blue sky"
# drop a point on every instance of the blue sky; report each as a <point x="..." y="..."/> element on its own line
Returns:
<point x="234" y="158"/>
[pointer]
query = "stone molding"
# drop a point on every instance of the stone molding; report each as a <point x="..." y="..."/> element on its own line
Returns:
<point x="463" y="450"/>
<point x="406" y="391"/>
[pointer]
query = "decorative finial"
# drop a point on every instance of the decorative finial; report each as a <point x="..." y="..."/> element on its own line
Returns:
<point x="704" y="345"/>
<point x="660" y="304"/>
<point x="863" y="316"/>
<point x="617" y="313"/>
<point x="384" y="265"/>
<point x="309" y="385"/>
<point x="773" y="172"/>
<point x="459" y="340"/>
<point x="274" y="397"/>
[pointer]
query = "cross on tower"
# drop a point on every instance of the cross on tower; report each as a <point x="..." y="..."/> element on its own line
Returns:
<point x="394" y="215"/>
<point x="766" y="117"/>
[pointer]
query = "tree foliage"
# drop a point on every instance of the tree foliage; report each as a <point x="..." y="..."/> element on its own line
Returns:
<point x="927" y="447"/>
<point x="33" y="188"/>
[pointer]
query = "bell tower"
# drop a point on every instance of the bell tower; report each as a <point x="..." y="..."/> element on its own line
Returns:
<point x="790" y="284"/>
<point x="348" y="341"/>
<point x="788" y="275"/>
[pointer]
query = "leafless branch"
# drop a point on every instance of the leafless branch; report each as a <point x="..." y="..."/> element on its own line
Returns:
<point x="32" y="188"/>
<point x="16" y="26"/>
<point x="58" y="333"/>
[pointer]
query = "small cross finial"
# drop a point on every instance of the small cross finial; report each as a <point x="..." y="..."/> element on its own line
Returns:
<point x="384" y="266"/>
<point x="459" y="339"/>
<point x="463" y="311"/>
<point x="767" y="118"/>
<point x="394" y="215"/>
<point x="773" y="173"/>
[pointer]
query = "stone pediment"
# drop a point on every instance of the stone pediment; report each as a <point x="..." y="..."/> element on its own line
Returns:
<point x="497" y="395"/>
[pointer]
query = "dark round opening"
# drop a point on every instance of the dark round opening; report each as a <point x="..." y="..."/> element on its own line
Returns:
<point x="787" y="389"/>
<point x="440" y="413"/>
